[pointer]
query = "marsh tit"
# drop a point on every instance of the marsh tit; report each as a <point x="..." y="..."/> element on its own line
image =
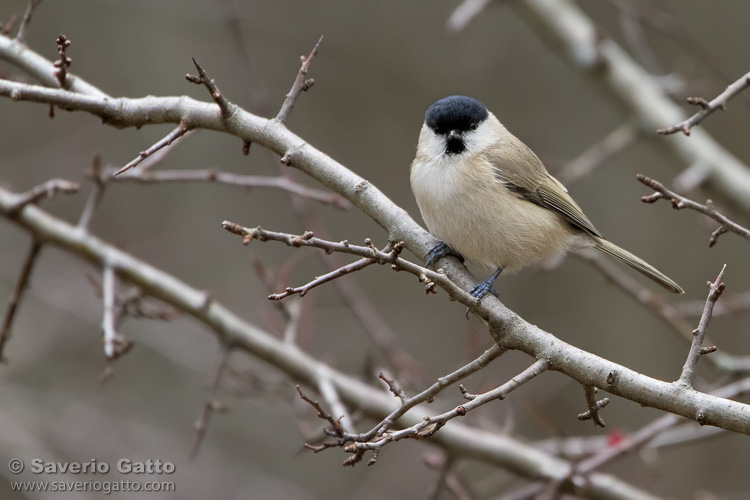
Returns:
<point x="490" y="200"/>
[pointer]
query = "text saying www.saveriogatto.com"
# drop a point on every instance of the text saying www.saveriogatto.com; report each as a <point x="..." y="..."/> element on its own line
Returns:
<point x="134" y="470"/>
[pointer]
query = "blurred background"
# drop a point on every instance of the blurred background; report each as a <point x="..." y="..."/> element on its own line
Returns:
<point x="381" y="64"/>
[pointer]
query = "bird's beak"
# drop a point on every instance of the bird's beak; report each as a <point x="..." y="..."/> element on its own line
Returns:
<point x="454" y="134"/>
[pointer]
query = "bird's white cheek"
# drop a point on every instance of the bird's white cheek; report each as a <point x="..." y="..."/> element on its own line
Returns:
<point x="432" y="145"/>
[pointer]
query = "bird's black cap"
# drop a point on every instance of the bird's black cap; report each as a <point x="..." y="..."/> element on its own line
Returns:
<point x="456" y="112"/>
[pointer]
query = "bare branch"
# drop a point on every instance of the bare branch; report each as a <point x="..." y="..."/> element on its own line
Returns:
<point x="17" y="295"/>
<point x="342" y="271"/>
<point x="170" y="139"/>
<point x="430" y="425"/>
<point x="696" y="349"/>
<point x="21" y="36"/>
<point x="394" y="387"/>
<point x="225" y="106"/>
<point x="96" y="193"/>
<point x="211" y="403"/>
<point x="680" y="202"/>
<point x="594" y="406"/>
<point x="381" y="257"/>
<point x="239" y="180"/>
<point x="46" y="189"/>
<point x="611" y="451"/>
<point x="336" y="427"/>
<point x="719" y="102"/>
<point x="581" y="43"/>
<point x="301" y="83"/>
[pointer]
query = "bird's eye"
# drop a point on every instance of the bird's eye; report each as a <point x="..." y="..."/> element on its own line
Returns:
<point x="474" y="125"/>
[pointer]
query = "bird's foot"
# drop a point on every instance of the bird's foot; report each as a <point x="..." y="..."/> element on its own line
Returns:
<point x="483" y="289"/>
<point x="438" y="252"/>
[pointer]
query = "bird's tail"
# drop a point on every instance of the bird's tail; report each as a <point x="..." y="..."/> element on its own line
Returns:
<point x="639" y="265"/>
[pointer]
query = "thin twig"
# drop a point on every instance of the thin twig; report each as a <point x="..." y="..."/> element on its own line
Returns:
<point x="594" y="406"/>
<point x="168" y="140"/>
<point x="719" y="102"/>
<point x="308" y="239"/>
<point x="243" y="181"/>
<point x="335" y="423"/>
<point x="97" y="191"/>
<point x="394" y="387"/>
<point x="696" y="349"/>
<point x="342" y="271"/>
<point x="301" y="83"/>
<point x="430" y="425"/>
<point x="46" y="189"/>
<point x="680" y="202"/>
<point x="62" y="64"/>
<point x="211" y="404"/>
<point x="26" y="20"/>
<point x="225" y="106"/>
<point x="331" y="396"/>
<point x="17" y="295"/>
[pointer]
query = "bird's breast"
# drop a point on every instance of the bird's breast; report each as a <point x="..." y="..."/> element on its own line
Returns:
<point x="468" y="208"/>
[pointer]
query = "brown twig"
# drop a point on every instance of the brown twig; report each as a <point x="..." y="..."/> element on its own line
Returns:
<point x="17" y="295"/>
<point x="430" y="425"/>
<point x="594" y="406"/>
<point x="225" y="106"/>
<point x="62" y="65"/>
<point x="170" y="139"/>
<point x="719" y="102"/>
<point x="301" y="83"/>
<point x="391" y="257"/>
<point x="336" y="428"/>
<point x="384" y="425"/>
<point x="211" y="404"/>
<point x="342" y="271"/>
<point x="243" y="181"/>
<point x="696" y="349"/>
<point x="394" y="387"/>
<point x="680" y="202"/>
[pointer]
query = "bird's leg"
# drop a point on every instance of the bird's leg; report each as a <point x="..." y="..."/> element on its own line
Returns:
<point x="439" y="251"/>
<point x="485" y="286"/>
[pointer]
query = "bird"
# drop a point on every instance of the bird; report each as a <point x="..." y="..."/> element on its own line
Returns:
<point x="489" y="199"/>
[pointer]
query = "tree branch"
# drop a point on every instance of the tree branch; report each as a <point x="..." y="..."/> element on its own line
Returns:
<point x="680" y="202"/>
<point x="583" y="45"/>
<point x="696" y="349"/>
<point x="719" y="102"/>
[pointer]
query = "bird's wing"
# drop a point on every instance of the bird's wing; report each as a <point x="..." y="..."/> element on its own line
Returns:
<point x="516" y="166"/>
